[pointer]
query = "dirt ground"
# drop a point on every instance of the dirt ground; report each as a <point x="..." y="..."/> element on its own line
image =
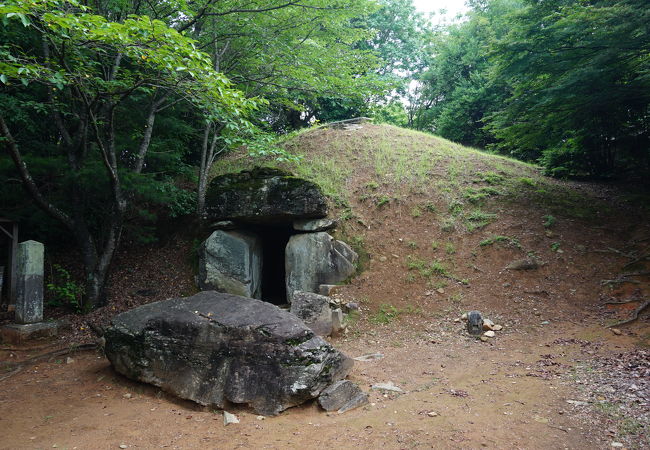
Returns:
<point x="556" y="376"/>
<point x="500" y="394"/>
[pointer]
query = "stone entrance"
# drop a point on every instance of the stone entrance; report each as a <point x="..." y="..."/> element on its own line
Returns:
<point x="274" y="243"/>
<point x="270" y="238"/>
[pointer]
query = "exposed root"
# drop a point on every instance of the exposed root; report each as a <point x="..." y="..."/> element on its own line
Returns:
<point x="617" y="252"/>
<point x="625" y="278"/>
<point x="620" y="280"/>
<point x="18" y="366"/>
<point x="635" y="314"/>
<point x="637" y="260"/>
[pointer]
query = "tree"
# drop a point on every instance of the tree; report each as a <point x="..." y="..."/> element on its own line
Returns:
<point x="291" y="53"/>
<point x="82" y="70"/>
<point x="579" y="73"/>
<point x="456" y="92"/>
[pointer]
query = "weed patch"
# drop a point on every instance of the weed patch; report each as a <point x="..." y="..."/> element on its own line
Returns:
<point x="478" y="219"/>
<point x="507" y="240"/>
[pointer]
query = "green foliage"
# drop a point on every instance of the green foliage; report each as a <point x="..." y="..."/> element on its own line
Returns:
<point x="385" y="315"/>
<point x="393" y="113"/>
<point x="455" y="207"/>
<point x="478" y="219"/>
<point x="64" y="290"/>
<point x="427" y="270"/>
<point x="477" y="196"/>
<point x="382" y="200"/>
<point x="549" y="221"/>
<point x="560" y="82"/>
<point x="492" y="178"/>
<point x="512" y="242"/>
<point x="455" y="93"/>
<point x="579" y="85"/>
<point x="450" y="249"/>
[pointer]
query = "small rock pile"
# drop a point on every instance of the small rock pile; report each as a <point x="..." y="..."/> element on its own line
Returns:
<point x="476" y="324"/>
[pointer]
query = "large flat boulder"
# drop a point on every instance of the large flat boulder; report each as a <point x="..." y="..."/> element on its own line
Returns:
<point x="263" y="195"/>
<point x="215" y="348"/>
<point x="231" y="262"/>
<point x="313" y="259"/>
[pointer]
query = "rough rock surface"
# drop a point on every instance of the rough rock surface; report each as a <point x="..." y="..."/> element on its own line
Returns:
<point x="264" y="195"/>
<point x="314" y="310"/>
<point x="314" y="225"/>
<point x="523" y="264"/>
<point x="313" y="259"/>
<point x="343" y="396"/>
<point x="231" y="262"/>
<point x="215" y="348"/>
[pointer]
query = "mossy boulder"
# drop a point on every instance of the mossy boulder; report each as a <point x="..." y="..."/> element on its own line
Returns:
<point x="216" y="348"/>
<point x="264" y="195"/>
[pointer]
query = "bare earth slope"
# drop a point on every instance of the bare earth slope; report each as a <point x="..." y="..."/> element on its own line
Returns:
<point x="437" y="224"/>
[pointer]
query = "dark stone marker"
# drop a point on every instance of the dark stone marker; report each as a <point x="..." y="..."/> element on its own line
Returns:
<point x="474" y="323"/>
<point x="29" y="298"/>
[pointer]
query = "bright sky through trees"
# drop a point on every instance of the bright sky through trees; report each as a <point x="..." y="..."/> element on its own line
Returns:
<point x="453" y="7"/>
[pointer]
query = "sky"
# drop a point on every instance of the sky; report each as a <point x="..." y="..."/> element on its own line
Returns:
<point x="453" y="7"/>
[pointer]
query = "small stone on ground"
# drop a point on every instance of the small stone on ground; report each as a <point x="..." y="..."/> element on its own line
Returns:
<point x="370" y="357"/>
<point x="389" y="386"/>
<point x="229" y="418"/>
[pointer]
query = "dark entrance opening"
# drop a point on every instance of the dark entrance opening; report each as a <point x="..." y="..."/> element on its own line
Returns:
<point x="274" y="244"/>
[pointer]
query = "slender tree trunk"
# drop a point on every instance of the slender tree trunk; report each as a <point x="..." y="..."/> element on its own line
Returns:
<point x="208" y="155"/>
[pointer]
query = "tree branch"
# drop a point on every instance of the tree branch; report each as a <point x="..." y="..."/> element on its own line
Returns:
<point x="28" y="181"/>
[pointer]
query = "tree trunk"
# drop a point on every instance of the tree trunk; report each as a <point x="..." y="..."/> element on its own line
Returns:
<point x="208" y="155"/>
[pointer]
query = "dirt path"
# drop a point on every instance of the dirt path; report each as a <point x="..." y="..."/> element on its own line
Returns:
<point x="509" y="393"/>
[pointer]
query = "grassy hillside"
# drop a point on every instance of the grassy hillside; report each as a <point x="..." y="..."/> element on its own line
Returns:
<point x="428" y="214"/>
<point x="383" y="164"/>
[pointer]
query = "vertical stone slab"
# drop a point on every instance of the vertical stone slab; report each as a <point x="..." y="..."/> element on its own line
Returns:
<point x="231" y="262"/>
<point x="313" y="259"/>
<point x="29" y="289"/>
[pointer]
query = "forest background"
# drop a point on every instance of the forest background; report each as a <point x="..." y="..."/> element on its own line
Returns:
<point x="113" y="112"/>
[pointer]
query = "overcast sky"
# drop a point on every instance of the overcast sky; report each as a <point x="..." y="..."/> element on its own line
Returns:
<point x="453" y="7"/>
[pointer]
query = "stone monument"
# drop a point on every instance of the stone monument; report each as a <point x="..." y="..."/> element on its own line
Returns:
<point x="29" y="297"/>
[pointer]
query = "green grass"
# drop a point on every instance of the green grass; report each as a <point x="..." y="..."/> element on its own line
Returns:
<point x="429" y="269"/>
<point x="448" y="225"/>
<point x="478" y="196"/>
<point x="404" y="162"/>
<point x="491" y="178"/>
<point x="455" y="207"/>
<point x="549" y="221"/>
<point x="450" y="249"/>
<point x="385" y="315"/>
<point x="382" y="200"/>
<point x="507" y="240"/>
<point x="478" y="219"/>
